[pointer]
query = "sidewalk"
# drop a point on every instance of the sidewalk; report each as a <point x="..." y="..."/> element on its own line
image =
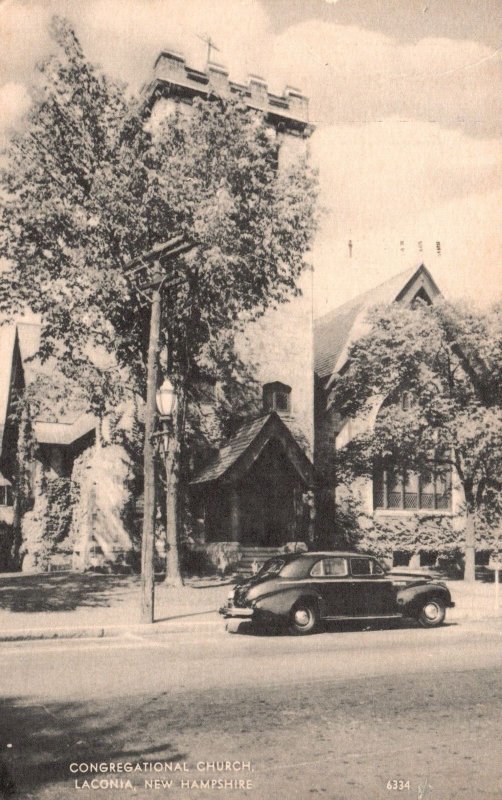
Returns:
<point x="74" y="605"/>
<point x="473" y="601"/>
<point x="69" y="605"/>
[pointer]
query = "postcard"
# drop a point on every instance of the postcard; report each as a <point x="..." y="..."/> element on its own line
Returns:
<point x="250" y="399"/>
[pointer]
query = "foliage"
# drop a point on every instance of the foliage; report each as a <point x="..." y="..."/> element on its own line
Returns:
<point x="89" y="186"/>
<point x="380" y="534"/>
<point x="47" y="524"/>
<point x="22" y="443"/>
<point x="449" y="360"/>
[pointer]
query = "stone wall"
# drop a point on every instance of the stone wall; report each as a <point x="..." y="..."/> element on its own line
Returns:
<point x="279" y="347"/>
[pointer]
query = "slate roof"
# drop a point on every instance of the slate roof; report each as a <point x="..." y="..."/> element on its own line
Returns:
<point x="241" y="450"/>
<point x="7" y="344"/>
<point x="229" y="453"/>
<point x="335" y="331"/>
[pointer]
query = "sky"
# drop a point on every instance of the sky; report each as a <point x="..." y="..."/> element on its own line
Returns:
<point x="405" y="96"/>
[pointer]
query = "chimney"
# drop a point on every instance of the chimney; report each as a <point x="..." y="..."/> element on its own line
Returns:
<point x="277" y="397"/>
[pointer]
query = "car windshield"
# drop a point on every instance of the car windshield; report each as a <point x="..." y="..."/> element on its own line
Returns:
<point x="271" y="567"/>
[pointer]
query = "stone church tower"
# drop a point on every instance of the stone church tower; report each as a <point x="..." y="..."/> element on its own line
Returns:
<point x="280" y="344"/>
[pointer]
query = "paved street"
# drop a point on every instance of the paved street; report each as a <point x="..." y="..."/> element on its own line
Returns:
<point x="336" y="715"/>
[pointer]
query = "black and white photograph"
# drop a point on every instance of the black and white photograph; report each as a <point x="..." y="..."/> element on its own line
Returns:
<point x="250" y="399"/>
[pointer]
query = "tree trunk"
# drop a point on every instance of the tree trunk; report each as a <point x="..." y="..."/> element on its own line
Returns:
<point x="470" y="548"/>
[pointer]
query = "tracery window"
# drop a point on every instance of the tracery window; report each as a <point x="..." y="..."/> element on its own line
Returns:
<point x="396" y="488"/>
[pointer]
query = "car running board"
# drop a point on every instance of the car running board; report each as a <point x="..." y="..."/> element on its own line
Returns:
<point x="366" y="616"/>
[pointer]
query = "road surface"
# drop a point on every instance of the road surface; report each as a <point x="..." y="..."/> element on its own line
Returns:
<point x="350" y="715"/>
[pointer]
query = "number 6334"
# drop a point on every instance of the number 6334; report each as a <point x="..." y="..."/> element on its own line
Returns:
<point x="397" y="785"/>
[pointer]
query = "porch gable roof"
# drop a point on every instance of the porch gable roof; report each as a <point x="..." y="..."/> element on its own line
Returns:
<point x="238" y="455"/>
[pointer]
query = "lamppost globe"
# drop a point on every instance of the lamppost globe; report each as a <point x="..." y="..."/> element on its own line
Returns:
<point x="166" y="399"/>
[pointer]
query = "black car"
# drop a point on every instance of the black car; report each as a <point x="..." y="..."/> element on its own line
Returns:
<point x="302" y="590"/>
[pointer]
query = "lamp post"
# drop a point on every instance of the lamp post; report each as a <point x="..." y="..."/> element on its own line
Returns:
<point x="166" y="407"/>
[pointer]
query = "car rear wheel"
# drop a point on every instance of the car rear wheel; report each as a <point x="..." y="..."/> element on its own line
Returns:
<point x="432" y="613"/>
<point x="304" y="618"/>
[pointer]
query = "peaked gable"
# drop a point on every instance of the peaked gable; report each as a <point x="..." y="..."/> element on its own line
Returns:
<point x="238" y="455"/>
<point x="11" y="372"/>
<point x="337" y="330"/>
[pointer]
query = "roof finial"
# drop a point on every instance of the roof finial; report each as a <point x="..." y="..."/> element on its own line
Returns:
<point x="210" y="46"/>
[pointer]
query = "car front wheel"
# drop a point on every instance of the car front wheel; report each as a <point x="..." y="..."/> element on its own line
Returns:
<point x="432" y="613"/>
<point x="304" y="618"/>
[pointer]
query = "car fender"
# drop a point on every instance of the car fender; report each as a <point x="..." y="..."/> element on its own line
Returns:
<point x="411" y="598"/>
<point x="281" y="601"/>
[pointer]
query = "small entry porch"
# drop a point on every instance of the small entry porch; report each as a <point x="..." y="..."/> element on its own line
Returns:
<point x="257" y="492"/>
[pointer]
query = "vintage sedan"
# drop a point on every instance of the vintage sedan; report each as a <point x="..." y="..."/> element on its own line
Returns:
<point x="301" y="590"/>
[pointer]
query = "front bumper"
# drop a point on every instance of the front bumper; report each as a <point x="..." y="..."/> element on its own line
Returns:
<point x="229" y="610"/>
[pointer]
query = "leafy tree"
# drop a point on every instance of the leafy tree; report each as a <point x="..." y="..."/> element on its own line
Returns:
<point x="448" y="359"/>
<point x="91" y="184"/>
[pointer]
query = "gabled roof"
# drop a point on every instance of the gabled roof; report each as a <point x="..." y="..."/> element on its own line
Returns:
<point x="337" y="330"/>
<point x="19" y="342"/>
<point x="9" y="350"/>
<point x="237" y="456"/>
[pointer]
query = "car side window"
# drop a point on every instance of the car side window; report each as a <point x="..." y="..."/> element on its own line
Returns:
<point x="335" y="567"/>
<point x="317" y="570"/>
<point x="376" y="568"/>
<point x="360" y="566"/>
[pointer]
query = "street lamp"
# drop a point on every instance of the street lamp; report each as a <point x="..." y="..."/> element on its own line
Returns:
<point x="166" y="400"/>
<point x="166" y="406"/>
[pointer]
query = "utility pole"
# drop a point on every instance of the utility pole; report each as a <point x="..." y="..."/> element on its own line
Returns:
<point x="149" y="278"/>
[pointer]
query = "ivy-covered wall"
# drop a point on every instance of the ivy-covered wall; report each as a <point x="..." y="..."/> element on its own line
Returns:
<point x="101" y="487"/>
<point x="46" y="525"/>
<point x="409" y="533"/>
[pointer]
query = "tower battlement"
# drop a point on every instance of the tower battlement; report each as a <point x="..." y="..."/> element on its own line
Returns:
<point x="174" y="78"/>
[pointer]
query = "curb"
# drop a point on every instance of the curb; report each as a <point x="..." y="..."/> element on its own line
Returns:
<point x="107" y="632"/>
<point x="164" y="627"/>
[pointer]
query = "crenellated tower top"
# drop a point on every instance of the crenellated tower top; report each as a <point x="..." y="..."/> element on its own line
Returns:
<point x="288" y="113"/>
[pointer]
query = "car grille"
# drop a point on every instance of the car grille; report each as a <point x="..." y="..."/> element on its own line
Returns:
<point x="240" y="598"/>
